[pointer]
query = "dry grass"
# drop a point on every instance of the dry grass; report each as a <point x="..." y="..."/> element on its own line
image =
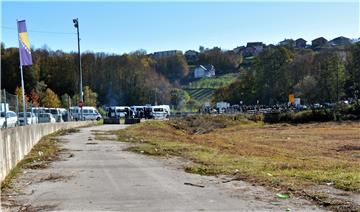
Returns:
<point x="40" y="156"/>
<point x="290" y="157"/>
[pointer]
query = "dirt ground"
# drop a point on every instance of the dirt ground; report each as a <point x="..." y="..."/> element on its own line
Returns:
<point x="94" y="172"/>
<point x="317" y="161"/>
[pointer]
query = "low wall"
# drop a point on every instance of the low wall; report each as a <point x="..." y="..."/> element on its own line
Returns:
<point x="17" y="142"/>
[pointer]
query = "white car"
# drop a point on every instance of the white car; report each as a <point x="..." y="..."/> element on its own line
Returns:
<point x="30" y="118"/>
<point x="46" y="118"/>
<point x="11" y="118"/>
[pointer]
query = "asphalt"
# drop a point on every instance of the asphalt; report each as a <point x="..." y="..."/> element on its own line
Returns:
<point x="101" y="176"/>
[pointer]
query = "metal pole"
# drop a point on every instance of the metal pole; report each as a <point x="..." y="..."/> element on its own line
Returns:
<point x="17" y="107"/>
<point x="69" y="105"/>
<point x="81" y="86"/>
<point x="22" y="80"/>
<point x="337" y="84"/>
<point x="156" y="97"/>
<point x="5" y="108"/>
<point x="23" y="95"/>
<point x="76" y="24"/>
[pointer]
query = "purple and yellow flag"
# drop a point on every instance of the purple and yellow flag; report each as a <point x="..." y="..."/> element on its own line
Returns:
<point x="24" y="45"/>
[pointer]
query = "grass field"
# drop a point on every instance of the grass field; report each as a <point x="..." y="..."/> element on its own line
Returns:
<point x="201" y="94"/>
<point x="293" y="158"/>
<point x="213" y="82"/>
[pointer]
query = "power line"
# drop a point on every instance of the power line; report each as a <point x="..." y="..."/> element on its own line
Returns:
<point x="40" y="31"/>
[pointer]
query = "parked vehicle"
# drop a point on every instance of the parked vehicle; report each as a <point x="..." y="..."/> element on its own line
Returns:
<point x="159" y="112"/>
<point x="56" y="112"/>
<point x="167" y="108"/>
<point x="30" y="118"/>
<point x="222" y="106"/>
<point x="139" y="111"/>
<point x="119" y="111"/>
<point x="11" y="119"/>
<point x="89" y="113"/>
<point x="46" y="118"/>
<point x="38" y="110"/>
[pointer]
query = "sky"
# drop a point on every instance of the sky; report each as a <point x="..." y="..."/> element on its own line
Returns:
<point x="122" y="27"/>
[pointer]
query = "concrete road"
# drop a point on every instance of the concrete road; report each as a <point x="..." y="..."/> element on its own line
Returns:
<point x="100" y="176"/>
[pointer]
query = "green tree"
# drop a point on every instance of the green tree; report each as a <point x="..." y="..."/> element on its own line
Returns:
<point x="179" y="98"/>
<point x="306" y="89"/>
<point x="329" y="72"/>
<point x="353" y="71"/>
<point x="65" y="100"/>
<point x="271" y="75"/>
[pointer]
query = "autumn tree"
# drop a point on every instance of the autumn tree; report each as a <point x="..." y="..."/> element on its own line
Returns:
<point x="34" y="98"/>
<point x="18" y="93"/>
<point x="90" y="97"/>
<point x="224" y="62"/>
<point x="174" y="68"/>
<point x="51" y="99"/>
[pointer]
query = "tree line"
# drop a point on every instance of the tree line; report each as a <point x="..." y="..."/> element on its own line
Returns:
<point x="322" y="76"/>
<point x="108" y="79"/>
<point x="137" y="78"/>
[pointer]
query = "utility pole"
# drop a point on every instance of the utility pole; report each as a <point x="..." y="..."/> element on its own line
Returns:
<point x="5" y="108"/>
<point x="76" y="25"/>
<point x="337" y="84"/>
<point x="156" y="96"/>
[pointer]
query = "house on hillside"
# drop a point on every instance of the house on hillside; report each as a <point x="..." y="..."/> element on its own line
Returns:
<point x="318" y="42"/>
<point x="169" y="53"/>
<point x="239" y="49"/>
<point x="252" y="49"/>
<point x="339" y="41"/>
<point x="249" y="51"/>
<point x="192" y="56"/>
<point x="204" y="71"/>
<point x="259" y="46"/>
<point x="300" y="43"/>
<point x="287" y="42"/>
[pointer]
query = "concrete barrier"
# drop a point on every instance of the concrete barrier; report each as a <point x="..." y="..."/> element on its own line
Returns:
<point x="17" y="142"/>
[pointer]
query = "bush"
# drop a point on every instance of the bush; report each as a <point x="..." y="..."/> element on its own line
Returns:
<point x="299" y="117"/>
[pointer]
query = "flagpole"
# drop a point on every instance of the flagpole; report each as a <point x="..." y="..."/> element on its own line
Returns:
<point x="22" y="80"/>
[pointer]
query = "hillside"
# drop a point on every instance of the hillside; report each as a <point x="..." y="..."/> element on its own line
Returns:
<point x="202" y="90"/>
<point x="212" y="82"/>
<point x="200" y="94"/>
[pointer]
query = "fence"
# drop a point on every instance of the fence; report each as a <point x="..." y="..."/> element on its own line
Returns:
<point x="9" y="105"/>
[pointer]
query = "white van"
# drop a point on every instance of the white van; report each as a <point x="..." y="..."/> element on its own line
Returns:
<point x="167" y="108"/>
<point x="160" y="111"/>
<point x="89" y="113"/>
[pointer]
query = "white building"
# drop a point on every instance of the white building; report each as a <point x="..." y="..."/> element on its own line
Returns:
<point x="204" y="71"/>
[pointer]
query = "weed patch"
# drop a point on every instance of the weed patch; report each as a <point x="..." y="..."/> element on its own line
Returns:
<point x="40" y="156"/>
<point x="287" y="157"/>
